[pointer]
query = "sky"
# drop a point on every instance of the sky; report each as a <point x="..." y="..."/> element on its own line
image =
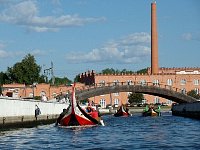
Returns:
<point x="82" y="35"/>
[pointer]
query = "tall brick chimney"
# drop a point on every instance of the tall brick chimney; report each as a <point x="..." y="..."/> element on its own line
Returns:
<point x="154" y="40"/>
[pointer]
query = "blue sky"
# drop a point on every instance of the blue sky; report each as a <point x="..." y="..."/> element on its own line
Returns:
<point x="82" y="35"/>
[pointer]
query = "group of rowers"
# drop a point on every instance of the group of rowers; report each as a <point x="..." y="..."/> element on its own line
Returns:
<point x="94" y="113"/>
<point x="150" y="107"/>
<point x="150" y="110"/>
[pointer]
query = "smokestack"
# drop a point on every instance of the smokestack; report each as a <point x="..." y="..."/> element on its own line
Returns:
<point x="154" y="40"/>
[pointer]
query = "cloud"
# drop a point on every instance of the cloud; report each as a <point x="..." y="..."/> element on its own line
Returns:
<point x="37" y="52"/>
<point x="26" y="14"/>
<point x="191" y="36"/>
<point x="3" y="54"/>
<point x="11" y="54"/>
<point x="2" y="45"/>
<point x="187" y="36"/>
<point x="133" y="48"/>
<point x="56" y="2"/>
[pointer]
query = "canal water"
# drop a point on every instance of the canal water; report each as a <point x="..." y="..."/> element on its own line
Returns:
<point x="119" y="133"/>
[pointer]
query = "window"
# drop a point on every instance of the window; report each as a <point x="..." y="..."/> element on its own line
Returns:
<point x="129" y="82"/>
<point x="102" y="83"/>
<point x="155" y="82"/>
<point x="196" y="82"/>
<point x="116" y="82"/>
<point x="169" y="102"/>
<point x="143" y="82"/>
<point x="183" y="81"/>
<point x="116" y="101"/>
<point x="183" y="91"/>
<point x="103" y="103"/>
<point x="116" y="94"/>
<point x="169" y="82"/>
<point x="156" y="100"/>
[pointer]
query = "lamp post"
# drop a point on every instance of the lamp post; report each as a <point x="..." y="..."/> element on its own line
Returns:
<point x="33" y="86"/>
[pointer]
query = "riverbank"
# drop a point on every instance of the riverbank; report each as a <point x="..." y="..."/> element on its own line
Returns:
<point x="26" y="121"/>
<point x="19" y="113"/>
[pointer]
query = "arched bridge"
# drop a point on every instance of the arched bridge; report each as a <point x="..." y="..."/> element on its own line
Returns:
<point x="167" y="92"/>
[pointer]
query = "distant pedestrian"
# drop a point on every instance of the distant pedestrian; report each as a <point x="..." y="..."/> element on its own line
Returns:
<point x="44" y="98"/>
<point x="37" y="111"/>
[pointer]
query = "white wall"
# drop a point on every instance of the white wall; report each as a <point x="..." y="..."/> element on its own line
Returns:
<point x="18" y="107"/>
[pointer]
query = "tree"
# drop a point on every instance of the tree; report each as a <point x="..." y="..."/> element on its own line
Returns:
<point x="108" y="71"/>
<point x="135" y="98"/>
<point x="26" y="71"/>
<point x="194" y="94"/>
<point x="113" y="71"/>
<point x="3" y="78"/>
<point x="77" y="78"/>
<point x="142" y="71"/>
<point x="126" y="71"/>
<point x="61" y="81"/>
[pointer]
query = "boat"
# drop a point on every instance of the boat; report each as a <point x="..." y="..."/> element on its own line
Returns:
<point x="122" y="111"/>
<point x="150" y="111"/>
<point x="75" y="116"/>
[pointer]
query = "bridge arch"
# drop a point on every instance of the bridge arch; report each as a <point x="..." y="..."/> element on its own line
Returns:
<point x="151" y="90"/>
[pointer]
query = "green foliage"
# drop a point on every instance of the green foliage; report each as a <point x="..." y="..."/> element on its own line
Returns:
<point x="61" y="81"/>
<point x="124" y="71"/>
<point x="37" y="97"/>
<point x="142" y="71"/>
<point x="135" y="98"/>
<point x="3" y="78"/>
<point x="77" y="78"/>
<point x="194" y="94"/>
<point x="108" y="71"/>
<point x="113" y="71"/>
<point x="41" y="79"/>
<point x="26" y="71"/>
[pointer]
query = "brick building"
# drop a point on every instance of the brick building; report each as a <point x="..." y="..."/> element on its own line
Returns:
<point x="29" y="91"/>
<point x="184" y="79"/>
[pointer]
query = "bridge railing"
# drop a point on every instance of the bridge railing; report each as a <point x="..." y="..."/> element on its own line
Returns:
<point x="108" y="84"/>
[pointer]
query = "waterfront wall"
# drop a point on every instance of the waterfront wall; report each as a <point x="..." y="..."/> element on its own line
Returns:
<point x="191" y="110"/>
<point x="19" y="107"/>
<point x="14" y="112"/>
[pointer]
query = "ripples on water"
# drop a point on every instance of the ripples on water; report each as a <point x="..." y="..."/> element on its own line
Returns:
<point x="136" y="132"/>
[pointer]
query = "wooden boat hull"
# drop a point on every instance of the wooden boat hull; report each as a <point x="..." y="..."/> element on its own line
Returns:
<point x="151" y="113"/>
<point x="121" y="112"/>
<point x="76" y="116"/>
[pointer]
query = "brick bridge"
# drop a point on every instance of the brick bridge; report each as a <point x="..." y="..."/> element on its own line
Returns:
<point x="164" y="91"/>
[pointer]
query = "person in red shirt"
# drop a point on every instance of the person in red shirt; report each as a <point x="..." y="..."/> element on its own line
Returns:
<point x="94" y="114"/>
